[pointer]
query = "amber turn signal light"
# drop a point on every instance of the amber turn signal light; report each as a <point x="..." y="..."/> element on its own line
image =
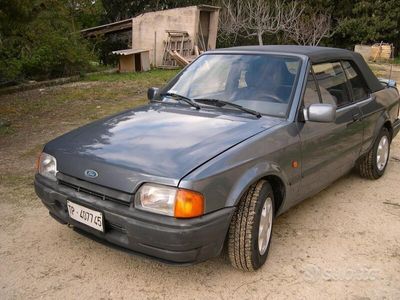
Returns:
<point x="37" y="162"/>
<point x="188" y="204"/>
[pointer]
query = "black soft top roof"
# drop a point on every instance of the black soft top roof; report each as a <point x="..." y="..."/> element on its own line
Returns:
<point x="318" y="55"/>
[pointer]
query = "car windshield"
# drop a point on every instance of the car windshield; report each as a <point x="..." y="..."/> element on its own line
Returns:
<point x="260" y="82"/>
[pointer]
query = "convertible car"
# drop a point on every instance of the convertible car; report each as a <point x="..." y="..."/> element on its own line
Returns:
<point x="234" y="140"/>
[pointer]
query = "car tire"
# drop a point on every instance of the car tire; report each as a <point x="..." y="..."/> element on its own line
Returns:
<point x="248" y="239"/>
<point x="373" y="164"/>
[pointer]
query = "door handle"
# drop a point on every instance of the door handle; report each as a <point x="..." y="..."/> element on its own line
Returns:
<point x="356" y="117"/>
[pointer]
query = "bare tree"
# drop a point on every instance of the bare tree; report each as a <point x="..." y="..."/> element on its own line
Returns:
<point x="257" y="17"/>
<point x="230" y="18"/>
<point x="309" y="29"/>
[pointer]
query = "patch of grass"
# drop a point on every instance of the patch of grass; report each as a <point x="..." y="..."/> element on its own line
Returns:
<point x="34" y="151"/>
<point x="373" y="68"/>
<point x="18" y="189"/>
<point x="6" y="130"/>
<point x="377" y="69"/>
<point x="10" y="179"/>
<point x="98" y="95"/>
<point x="155" y="75"/>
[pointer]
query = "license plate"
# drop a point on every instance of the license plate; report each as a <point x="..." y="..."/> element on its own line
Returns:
<point x="85" y="215"/>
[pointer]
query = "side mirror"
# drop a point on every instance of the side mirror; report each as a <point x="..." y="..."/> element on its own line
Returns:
<point x="318" y="112"/>
<point x="388" y="82"/>
<point x="152" y="93"/>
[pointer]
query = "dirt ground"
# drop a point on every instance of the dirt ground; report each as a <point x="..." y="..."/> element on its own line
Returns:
<point x="342" y="243"/>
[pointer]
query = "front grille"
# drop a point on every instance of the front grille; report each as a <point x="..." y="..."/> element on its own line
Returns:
<point x="83" y="190"/>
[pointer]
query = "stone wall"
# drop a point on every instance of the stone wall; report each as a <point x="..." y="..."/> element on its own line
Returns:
<point x="148" y="30"/>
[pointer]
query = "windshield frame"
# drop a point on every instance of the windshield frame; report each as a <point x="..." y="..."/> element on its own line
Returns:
<point x="296" y="90"/>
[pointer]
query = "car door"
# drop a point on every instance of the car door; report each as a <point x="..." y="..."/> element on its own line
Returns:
<point x="366" y="102"/>
<point x="329" y="150"/>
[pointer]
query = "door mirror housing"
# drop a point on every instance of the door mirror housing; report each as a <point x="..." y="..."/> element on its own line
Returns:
<point x="388" y="82"/>
<point x="322" y="113"/>
<point x="152" y="93"/>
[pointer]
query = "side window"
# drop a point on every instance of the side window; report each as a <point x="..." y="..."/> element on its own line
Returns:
<point x="311" y="93"/>
<point x="332" y="83"/>
<point x="358" y="87"/>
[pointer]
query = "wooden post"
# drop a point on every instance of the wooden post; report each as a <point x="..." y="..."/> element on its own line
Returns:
<point x="155" y="50"/>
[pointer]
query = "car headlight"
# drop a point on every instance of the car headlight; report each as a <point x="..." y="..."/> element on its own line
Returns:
<point x="169" y="201"/>
<point x="47" y="166"/>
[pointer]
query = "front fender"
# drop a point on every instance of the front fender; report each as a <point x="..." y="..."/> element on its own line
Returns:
<point x="226" y="188"/>
<point x="224" y="179"/>
<point x="252" y="175"/>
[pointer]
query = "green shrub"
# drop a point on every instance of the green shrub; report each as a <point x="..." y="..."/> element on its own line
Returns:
<point x="39" y="40"/>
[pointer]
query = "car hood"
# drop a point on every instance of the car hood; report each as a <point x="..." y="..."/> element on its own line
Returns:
<point x="157" y="143"/>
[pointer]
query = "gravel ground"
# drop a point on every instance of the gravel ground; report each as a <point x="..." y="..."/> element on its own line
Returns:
<point x="342" y="243"/>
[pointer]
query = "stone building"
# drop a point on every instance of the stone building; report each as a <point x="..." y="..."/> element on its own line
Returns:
<point x="195" y="26"/>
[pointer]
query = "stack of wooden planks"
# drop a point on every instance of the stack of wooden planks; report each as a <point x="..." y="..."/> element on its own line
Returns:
<point x="178" y="50"/>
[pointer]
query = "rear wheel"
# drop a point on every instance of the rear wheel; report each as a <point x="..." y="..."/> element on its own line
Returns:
<point x="251" y="228"/>
<point x="373" y="165"/>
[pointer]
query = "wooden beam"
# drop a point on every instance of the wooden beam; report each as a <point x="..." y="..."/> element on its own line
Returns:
<point x="125" y="25"/>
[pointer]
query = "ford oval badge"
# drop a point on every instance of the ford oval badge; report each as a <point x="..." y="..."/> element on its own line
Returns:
<point x="91" y="173"/>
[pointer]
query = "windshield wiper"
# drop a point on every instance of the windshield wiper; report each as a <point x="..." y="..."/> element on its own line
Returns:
<point x="220" y="103"/>
<point x="183" y="98"/>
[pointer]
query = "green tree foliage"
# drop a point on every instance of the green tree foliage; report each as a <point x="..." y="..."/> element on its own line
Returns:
<point x="39" y="40"/>
<point x="371" y="21"/>
<point x="85" y="13"/>
<point x="117" y="10"/>
<point x="361" y="21"/>
<point x="353" y="22"/>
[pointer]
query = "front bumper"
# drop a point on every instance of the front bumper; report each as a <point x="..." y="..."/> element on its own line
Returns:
<point x="163" y="237"/>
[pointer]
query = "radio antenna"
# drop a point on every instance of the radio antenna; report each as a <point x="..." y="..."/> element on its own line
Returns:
<point x="391" y="61"/>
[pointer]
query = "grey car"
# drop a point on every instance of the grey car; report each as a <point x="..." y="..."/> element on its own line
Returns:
<point x="234" y="140"/>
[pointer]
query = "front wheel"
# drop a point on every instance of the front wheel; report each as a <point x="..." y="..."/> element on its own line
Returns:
<point x="373" y="165"/>
<point x="251" y="228"/>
